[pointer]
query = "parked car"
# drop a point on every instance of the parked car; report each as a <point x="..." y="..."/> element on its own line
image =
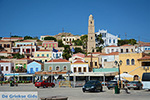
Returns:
<point x="44" y="84"/>
<point x="111" y="84"/>
<point x="134" y="85"/>
<point x="93" y="85"/>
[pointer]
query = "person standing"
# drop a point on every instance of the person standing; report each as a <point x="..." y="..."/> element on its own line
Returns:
<point x="126" y="88"/>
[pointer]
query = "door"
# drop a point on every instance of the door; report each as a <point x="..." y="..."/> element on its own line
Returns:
<point x="31" y="70"/>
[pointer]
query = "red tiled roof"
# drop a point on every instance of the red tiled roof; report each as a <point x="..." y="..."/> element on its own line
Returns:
<point x="3" y="52"/>
<point x="36" y="61"/>
<point x="79" y="62"/>
<point x="145" y="58"/>
<point x="126" y="45"/>
<point x="112" y="46"/>
<point x="2" y="61"/>
<point x="24" y="59"/>
<point x="44" y="50"/>
<point x="90" y="56"/>
<point x="13" y="38"/>
<point x="58" y="60"/>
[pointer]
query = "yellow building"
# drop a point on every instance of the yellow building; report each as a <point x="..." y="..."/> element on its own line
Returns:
<point x="95" y="61"/>
<point x="134" y="64"/>
<point x="42" y="55"/>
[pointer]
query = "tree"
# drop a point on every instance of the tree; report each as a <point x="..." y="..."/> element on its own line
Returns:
<point x="66" y="52"/>
<point x="77" y="42"/>
<point x="100" y="42"/>
<point x="27" y="37"/>
<point x="50" y="38"/>
<point x="15" y="36"/>
<point x="18" y="56"/>
<point x="84" y="38"/>
<point x="77" y="50"/>
<point x="60" y="44"/>
<point x="130" y="41"/>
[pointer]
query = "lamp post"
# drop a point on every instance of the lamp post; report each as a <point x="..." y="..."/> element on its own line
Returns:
<point x="119" y="63"/>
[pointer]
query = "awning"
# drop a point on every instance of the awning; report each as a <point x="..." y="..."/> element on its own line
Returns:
<point x="92" y="74"/>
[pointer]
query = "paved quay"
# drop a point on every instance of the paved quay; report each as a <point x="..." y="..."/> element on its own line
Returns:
<point x="77" y="94"/>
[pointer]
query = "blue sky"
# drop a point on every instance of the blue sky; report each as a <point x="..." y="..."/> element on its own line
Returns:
<point x="48" y="17"/>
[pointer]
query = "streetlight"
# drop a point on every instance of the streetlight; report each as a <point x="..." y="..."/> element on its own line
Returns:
<point x="119" y="63"/>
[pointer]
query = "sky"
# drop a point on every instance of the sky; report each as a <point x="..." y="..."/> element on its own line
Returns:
<point x="49" y="17"/>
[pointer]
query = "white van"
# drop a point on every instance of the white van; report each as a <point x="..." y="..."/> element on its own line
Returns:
<point x="146" y="81"/>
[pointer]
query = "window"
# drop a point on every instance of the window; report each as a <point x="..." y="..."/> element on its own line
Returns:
<point x="121" y="50"/>
<point x="36" y="69"/>
<point x="57" y="68"/>
<point x="45" y="60"/>
<point x="38" y="55"/>
<point x="113" y="40"/>
<point x="64" y="39"/>
<point x="84" y="69"/>
<point x="131" y="50"/>
<point x="8" y="45"/>
<point x="51" y="45"/>
<point x="105" y="60"/>
<point x="91" y="22"/>
<point x="95" y="63"/>
<point x="79" y="69"/>
<point x="128" y="62"/>
<point x="6" y="68"/>
<point x="5" y="45"/>
<point x="127" y="50"/>
<point x="146" y="49"/>
<point x="60" y="55"/>
<point x="2" y="68"/>
<point x="32" y="50"/>
<point x="112" y="50"/>
<point x="91" y="38"/>
<point x="42" y="55"/>
<point x="75" y="70"/>
<point x="109" y="40"/>
<point x="132" y="61"/>
<point x="50" y="68"/>
<point x="47" y="55"/>
<point x="65" y="68"/>
<point x="116" y="50"/>
<point x="108" y="50"/>
<point x="57" y="55"/>
<point x="12" y="69"/>
<point x="48" y="45"/>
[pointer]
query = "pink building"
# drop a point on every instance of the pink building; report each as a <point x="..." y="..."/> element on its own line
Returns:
<point x="50" y="43"/>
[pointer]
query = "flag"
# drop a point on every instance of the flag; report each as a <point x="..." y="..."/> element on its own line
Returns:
<point x="54" y="50"/>
<point x="72" y="50"/>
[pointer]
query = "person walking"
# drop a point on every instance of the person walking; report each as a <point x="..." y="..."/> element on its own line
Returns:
<point x="126" y="88"/>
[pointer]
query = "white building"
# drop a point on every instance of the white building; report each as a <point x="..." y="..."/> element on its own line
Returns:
<point x="6" y="67"/>
<point x="143" y="48"/>
<point x="79" y="66"/>
<point x="110" y="49"/>
<point x="108" y="38"/>
<point x="68" y="39"/>
<point x="108" y="60"/>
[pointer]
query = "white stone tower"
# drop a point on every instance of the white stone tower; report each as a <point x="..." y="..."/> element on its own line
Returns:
<point x="91" y="34"/>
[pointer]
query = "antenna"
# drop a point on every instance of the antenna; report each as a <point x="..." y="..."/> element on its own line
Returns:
<point x="62" y="30"/>
<point x="125" y="35"/>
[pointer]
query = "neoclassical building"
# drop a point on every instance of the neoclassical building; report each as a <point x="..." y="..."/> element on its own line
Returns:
<point x="109" y="39"/>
